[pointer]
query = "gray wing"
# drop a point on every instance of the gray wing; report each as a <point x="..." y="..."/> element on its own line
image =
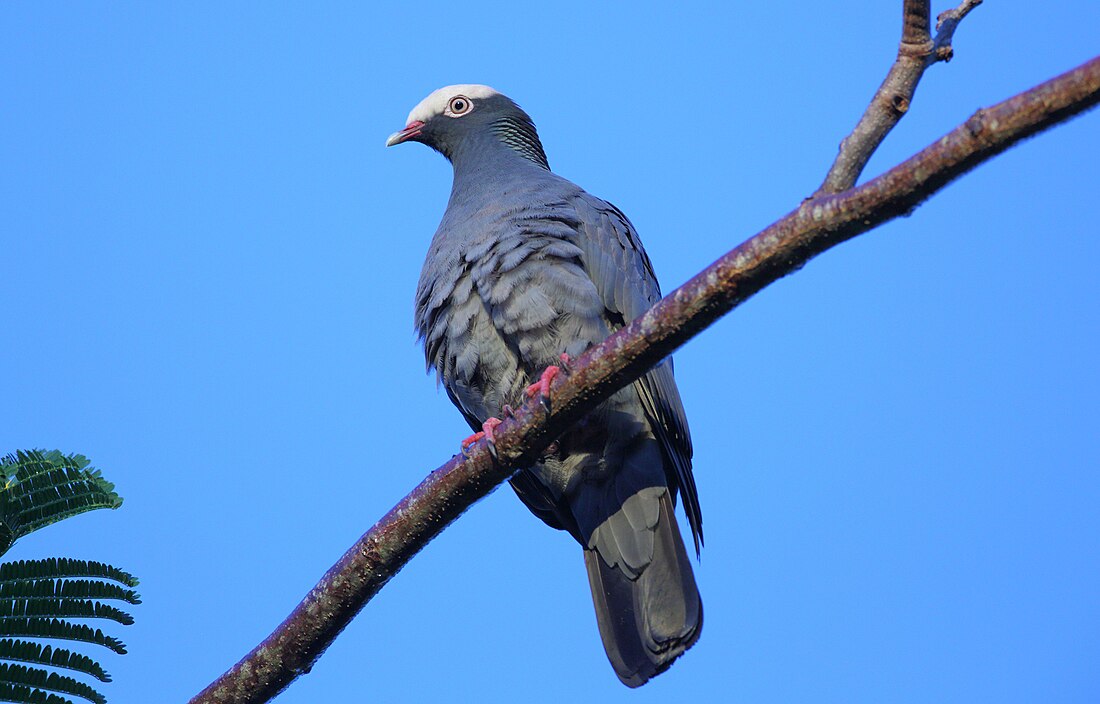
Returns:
<point x="623" y="274"/>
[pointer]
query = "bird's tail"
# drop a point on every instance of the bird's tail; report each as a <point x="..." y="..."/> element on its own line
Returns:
<point x="647" y="621"/>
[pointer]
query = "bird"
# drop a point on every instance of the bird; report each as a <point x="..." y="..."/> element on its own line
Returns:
<point x="525" y="272"/>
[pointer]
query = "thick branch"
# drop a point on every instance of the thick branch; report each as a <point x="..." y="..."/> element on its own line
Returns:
<point x="783" y="247"/>
<point x="917" y="51"/>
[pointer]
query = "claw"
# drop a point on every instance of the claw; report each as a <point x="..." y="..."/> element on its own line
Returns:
<point x="486" y="433"/>
<point x="488" y="427"/>
<point x="542" y="386"/>
<point x="471" y="440"/>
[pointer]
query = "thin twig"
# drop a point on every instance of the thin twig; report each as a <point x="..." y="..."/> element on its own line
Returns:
<point x="783" y="247"/>
<point x="946" y="23"/>
<point x="916" y="52"/>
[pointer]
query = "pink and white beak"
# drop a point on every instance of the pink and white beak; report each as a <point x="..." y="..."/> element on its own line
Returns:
<point x="411" y="131"/>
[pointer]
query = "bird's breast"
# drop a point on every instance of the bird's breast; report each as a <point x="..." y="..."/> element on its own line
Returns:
<point x="501" y="298"/>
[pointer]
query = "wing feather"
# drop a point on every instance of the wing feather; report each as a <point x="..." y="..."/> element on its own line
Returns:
<point x="623" y="275"/>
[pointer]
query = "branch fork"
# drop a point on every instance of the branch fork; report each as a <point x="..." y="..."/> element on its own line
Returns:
<point x="917" y="51"/>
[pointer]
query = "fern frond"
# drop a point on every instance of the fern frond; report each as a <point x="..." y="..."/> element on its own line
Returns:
<point x="40" y="598"/>
<point x="40" y="488"/>
<point x="62" y="608"/>
<point x="48" y="681"/>
<point x="66" y="589"/>
<point x="60" y="630"/>
<point x="23" y="693"/>
<point x="39" y="654"/>
<point x="56" y="567"/>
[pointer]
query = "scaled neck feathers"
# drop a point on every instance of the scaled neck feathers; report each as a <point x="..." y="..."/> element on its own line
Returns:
<point x="518" y="133"/>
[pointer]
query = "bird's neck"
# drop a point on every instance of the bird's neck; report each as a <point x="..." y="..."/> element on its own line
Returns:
<point x="490" y="168"/>
<point x="508" y="140"/>
<point x="517" y="133"/>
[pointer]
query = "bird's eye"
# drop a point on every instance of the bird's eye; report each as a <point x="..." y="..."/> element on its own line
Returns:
<point x="459" y="105"/>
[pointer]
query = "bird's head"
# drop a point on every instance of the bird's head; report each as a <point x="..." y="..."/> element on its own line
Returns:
<point x="459" y="116"/>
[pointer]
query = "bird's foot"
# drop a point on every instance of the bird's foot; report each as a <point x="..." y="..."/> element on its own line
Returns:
<point x="486" y="433"/>
<point x="541" y="387"/>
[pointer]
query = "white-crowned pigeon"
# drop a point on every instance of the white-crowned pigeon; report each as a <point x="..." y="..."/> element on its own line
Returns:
<point x="524" y="267"/>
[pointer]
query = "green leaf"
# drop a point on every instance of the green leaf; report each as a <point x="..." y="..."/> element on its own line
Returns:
<point x="62" y="608"/>
<point x="57" y="567"/>
<point x="66" y="589"/>
<point x="39" y="598"/>
<point x="60" y="630"/>
<point x="39" y="654"/>
<point x="22" y="693"/>
<point x="42" y="680"/>
<point x="40" y="488"/>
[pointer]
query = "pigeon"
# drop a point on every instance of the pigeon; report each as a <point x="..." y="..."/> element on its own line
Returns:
<point x="527" y="270"/>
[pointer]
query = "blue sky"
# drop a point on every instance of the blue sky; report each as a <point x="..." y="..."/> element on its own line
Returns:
<point x="209" y="262"/>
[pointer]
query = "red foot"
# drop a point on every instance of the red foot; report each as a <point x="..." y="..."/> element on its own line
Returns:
<point x="487" y="429"/>
<point x="542" y="386"/>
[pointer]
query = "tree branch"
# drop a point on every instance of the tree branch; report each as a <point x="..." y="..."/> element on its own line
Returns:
<point x="815" y="226"/>
<point x="917" y="51"/>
